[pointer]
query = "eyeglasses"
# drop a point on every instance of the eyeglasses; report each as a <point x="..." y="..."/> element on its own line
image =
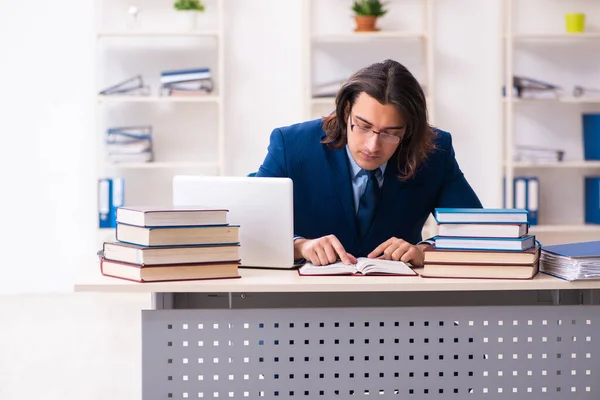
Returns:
<point x="385" y="136"/>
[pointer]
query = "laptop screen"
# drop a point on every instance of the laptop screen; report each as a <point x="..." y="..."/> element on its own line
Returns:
<point x="262" y="207"/>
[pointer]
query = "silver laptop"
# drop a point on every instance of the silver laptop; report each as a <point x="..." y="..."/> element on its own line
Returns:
<point x="263" y="207"/>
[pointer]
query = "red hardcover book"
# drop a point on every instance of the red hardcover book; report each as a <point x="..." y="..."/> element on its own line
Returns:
<point x="169" y="272"/>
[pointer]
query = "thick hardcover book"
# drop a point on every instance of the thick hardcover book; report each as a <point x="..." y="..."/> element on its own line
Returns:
<point x="172" y="272"/>
<point x="177" y="235"/>
<point x="529" y="256"/>
<point x="171" y="216"/>
<point x="143" y="255"/>
<point x="364" y="266"/>
<point x="485" y="243"/>
<point x="481" y="215"/>
<point x="482" y="271"/>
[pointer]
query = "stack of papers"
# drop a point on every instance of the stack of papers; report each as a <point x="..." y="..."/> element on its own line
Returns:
<point x="573" y="261"/>
<point x="129" y="144"/>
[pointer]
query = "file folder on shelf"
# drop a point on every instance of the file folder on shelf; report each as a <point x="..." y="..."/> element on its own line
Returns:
<point x="111" y="195"/>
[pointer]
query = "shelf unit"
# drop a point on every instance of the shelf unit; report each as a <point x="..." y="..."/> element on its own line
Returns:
<point x="400" y="31"/>
<point x="158" y="99"/>
<point x="188" y="131"/>
<point x="159" y="33"/>
<point x="561" y="99"/>
<point x="527" y="40"/>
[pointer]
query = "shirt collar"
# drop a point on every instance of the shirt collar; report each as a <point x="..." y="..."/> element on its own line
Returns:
<point x="355" y="169"/>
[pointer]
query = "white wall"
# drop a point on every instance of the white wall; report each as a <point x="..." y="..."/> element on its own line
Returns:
<point x="46" y="120"/>
<point x="468" y="82"/>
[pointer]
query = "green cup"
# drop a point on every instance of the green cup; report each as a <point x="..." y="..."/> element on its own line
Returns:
<point x="575" y="22"/>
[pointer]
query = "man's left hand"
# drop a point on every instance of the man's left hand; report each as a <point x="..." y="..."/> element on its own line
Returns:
<point x="399" y="250"/>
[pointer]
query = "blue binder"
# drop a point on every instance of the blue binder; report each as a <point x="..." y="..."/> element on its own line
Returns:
<point x="592" y="200"/>
<point x="533" y="196"/>
<point x="526" y="195"/>
<point x="111" y="195"/>
<point x="591" y="136"/>
<point x="104" y="203"/>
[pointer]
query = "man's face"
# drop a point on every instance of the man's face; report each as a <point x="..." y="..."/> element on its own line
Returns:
<point x="370" y="150"/>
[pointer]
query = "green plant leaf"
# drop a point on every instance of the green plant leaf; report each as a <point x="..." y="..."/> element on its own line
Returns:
<point x="193" y="5"/>
<point x="374" y="8"/>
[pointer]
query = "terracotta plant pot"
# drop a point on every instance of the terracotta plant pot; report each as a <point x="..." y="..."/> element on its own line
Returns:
<point x="365" y="24"/>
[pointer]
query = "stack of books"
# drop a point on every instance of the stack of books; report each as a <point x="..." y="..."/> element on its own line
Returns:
<point x="187" y="82"/>
<point x="129" y="144"/>
<point x="482" y="243"/>
<point x="169" y="244"/>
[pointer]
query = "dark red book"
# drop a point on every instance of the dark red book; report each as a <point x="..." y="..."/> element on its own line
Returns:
<point x="169" y="272"/>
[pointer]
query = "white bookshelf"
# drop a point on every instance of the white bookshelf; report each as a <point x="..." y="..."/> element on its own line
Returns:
<point x="165" y="165"/>
<point x="536" y="46"/>
<point x="557" y="165"/>
<point x="560" y="99"/>
<point x="188" y="131"/>
<point x="559" y="36"/>
<point x="357" y="37"/>
<point x="158" y="33"/>
<point x="158" y="99"/>
<point x="579" y="228"/>
<point x="406" y="35"/>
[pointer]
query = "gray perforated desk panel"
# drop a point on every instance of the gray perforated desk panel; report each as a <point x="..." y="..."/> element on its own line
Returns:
<point x="523" y="351"/>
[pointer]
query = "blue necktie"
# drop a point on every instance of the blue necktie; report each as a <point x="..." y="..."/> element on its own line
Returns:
<point x="368" y="203"/>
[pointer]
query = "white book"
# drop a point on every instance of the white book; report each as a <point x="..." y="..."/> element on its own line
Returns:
<point x="485" y="243"/>
<point x="185" y="77"/>
<point x="483" y="230"/>
<point x="171" y="216"/>
<point x="364" y="266"/>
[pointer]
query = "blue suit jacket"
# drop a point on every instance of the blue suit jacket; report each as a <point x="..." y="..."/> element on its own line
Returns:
<point x="323" y="202"/>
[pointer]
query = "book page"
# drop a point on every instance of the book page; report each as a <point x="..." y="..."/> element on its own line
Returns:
<point x="378" y="266"/>
<point x="335" y="268"/>
<point x="364" y="266"/>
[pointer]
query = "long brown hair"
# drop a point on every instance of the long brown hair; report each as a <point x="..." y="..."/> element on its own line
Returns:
<point x="389" y="82"/>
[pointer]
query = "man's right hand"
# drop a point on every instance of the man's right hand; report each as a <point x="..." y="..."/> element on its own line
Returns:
<point x="322" y="251"/>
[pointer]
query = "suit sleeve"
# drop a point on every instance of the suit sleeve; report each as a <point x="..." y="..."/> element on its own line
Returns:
<point x="274" y="164"/>
<point x="456" y="191"/>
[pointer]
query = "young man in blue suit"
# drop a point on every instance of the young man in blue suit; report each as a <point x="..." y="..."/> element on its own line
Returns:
<point x="367" y="176"/>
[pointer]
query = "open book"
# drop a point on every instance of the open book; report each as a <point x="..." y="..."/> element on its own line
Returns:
<point x="364" y="266"/>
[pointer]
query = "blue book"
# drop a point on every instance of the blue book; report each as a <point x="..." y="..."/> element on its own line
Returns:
<point x="185" y="71"/>
<point x="485" y="243"/>
<point x="481" y="215"/>
<point x="575" y="250"/>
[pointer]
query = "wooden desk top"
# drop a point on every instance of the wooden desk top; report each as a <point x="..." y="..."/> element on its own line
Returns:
<point x="265" y="280"/>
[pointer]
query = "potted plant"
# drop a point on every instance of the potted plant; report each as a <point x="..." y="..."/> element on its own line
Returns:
<point x="190" y="8"/>
<point x="366" y="13"/>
